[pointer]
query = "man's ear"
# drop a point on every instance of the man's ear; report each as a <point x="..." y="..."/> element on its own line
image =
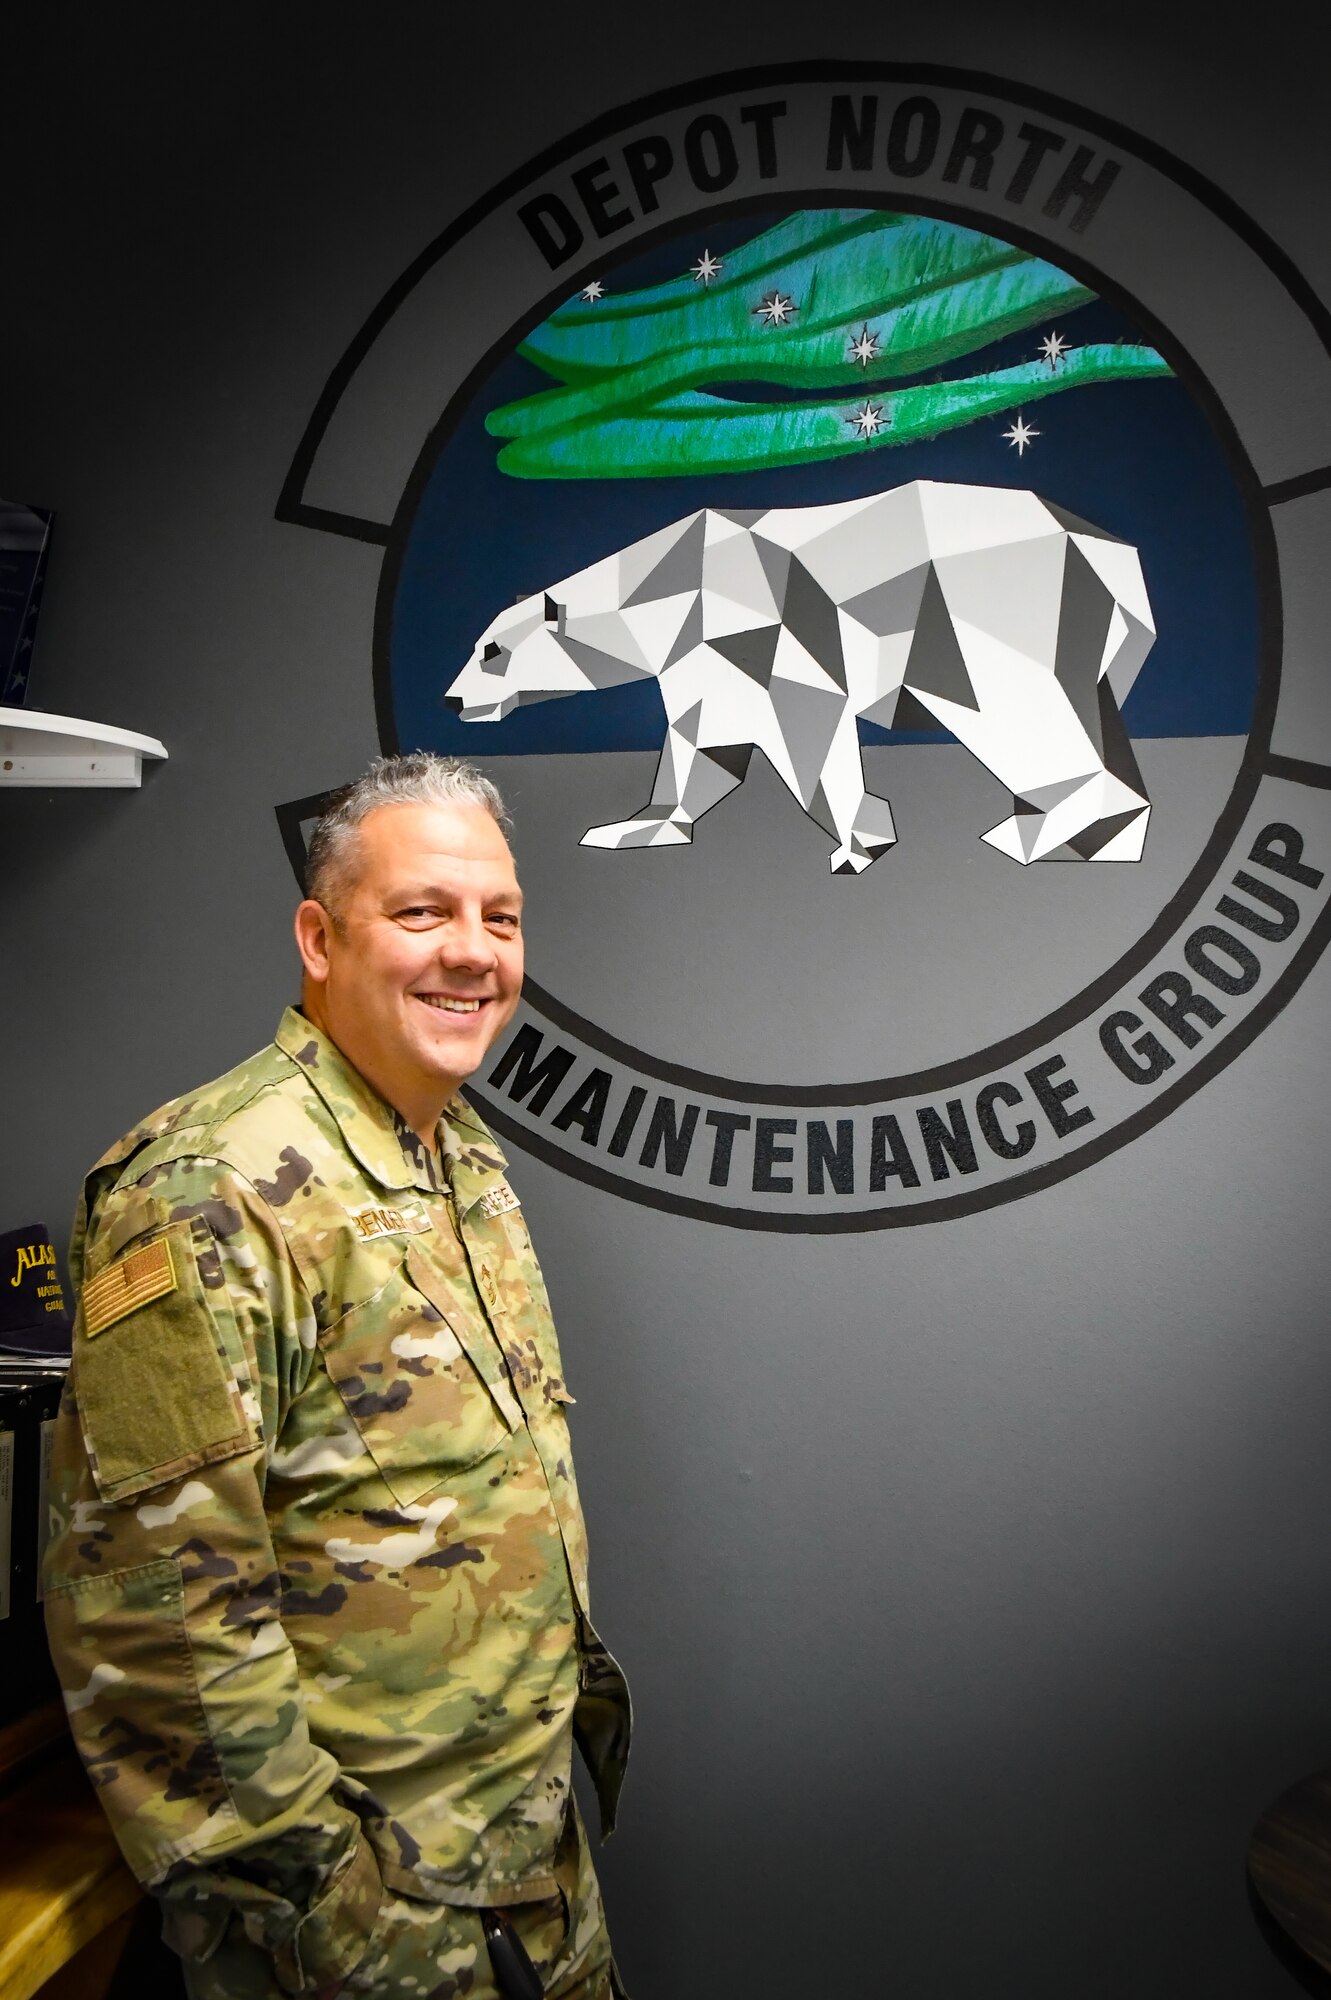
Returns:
<point x="313" y="929"/>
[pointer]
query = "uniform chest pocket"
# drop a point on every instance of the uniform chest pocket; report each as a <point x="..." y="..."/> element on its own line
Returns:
<point x="510" y="1278"/>
<point x="419" y="1389"/>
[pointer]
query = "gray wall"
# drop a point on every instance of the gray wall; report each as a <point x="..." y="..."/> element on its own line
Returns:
<point x="972" y="1578"/>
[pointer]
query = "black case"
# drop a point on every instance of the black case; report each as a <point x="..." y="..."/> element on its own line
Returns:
<point x="29" y="1399"/>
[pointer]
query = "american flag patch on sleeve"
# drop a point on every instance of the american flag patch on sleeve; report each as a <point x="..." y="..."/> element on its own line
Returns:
<point x="123" y="1287"/>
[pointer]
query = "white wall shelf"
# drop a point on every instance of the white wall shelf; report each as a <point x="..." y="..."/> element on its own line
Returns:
<point x="48" y="750"/>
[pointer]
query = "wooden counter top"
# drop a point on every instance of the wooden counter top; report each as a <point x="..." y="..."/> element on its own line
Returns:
<point x="63" y="1884"/>
<point x="1289" y="1864"/>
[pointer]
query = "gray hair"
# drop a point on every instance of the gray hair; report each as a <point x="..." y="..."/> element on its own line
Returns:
<point x="419" y="779"/>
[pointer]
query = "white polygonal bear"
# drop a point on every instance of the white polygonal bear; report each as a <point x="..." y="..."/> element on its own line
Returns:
<point x="1016" y="626"/>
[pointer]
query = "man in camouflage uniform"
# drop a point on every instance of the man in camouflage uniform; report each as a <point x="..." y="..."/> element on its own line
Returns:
<point x="317" y="1584"/>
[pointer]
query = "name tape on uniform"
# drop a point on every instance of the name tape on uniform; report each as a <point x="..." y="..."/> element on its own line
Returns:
<point x="409" y="1221"/>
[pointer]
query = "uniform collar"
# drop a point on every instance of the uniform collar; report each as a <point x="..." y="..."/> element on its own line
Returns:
<point x="390" y="1152"/>
<point x="370" y="1127"/>
<point x="474" y="1162"/>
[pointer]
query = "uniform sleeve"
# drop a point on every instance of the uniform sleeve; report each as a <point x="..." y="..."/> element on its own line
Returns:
<point x="163" y="1595"/>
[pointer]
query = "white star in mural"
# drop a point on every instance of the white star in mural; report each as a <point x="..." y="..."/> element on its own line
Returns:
<point x="1020" y="435"/>
<point x="870" y="420"/>
<point x="591" y="293"/>
<point x="1053" y="347"/>
<point x="866" y="347"/>
<point x="776" y="308"/>
<point x="706" y="268"/>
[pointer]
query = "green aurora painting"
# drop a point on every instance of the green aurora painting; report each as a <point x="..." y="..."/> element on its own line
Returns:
<point x="850" y="306"/>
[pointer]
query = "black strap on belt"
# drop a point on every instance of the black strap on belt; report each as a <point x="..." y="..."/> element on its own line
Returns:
<point x="515" y="1975"/>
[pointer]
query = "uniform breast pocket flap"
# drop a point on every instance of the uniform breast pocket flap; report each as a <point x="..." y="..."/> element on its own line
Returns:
<point x="423" y="1408"/>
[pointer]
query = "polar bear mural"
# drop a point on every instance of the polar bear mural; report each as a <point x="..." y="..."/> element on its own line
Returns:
<point x="987" y="610"/>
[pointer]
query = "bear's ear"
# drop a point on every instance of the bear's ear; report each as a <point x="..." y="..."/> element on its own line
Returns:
<point x="553" y="611"/>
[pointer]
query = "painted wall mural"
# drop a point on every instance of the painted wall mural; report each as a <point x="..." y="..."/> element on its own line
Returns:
<point x="843" y="449"/>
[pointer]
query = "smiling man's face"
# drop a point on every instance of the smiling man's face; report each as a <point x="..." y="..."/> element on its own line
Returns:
<point x="424" y="967"/>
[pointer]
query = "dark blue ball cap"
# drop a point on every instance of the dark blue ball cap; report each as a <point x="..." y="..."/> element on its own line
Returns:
<point x="34" y="1318"/>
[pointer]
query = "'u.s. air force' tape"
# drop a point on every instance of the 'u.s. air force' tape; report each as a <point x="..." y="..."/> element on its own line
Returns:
<point x="135" y="1281"/>
<point x="498" y="1200"/>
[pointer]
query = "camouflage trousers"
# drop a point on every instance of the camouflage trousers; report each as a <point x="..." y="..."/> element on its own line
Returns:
<point x="434" y="1951"/>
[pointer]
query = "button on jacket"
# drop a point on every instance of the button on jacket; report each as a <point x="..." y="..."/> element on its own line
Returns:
<point x="317" y="1586"/>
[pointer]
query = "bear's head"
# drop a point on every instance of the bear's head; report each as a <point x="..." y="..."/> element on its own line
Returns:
<point x="519" y="657"/>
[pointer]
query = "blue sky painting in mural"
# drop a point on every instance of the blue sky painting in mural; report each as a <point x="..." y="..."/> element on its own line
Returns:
<point x="1139" y="459"/>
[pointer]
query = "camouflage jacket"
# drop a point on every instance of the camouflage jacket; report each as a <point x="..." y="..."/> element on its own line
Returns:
<point x="317" y="1580"/>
